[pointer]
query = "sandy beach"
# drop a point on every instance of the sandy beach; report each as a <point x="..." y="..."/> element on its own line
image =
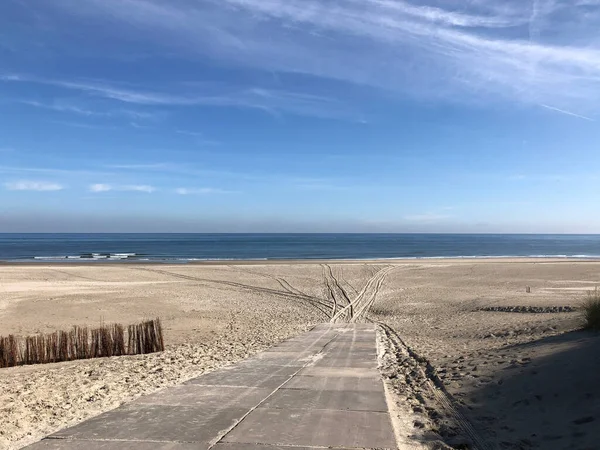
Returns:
<point x="519" y="379"/>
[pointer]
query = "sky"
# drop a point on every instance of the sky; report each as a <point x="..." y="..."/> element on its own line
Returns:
<point x="300" y="116"/>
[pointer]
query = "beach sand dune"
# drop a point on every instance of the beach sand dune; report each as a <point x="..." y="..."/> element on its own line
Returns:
<point x="521" y="379"/>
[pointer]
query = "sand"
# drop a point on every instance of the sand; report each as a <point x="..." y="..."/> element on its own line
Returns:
<point x="459" y="373"/>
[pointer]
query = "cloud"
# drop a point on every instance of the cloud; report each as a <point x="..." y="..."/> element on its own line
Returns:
<point x="568" y="113"/>
<point x="153" y="166"/>
<point x="25" y="185"/>
<point x="447" y="49"/>
<point x="548" y="177"/>
<point x="9" y="77"/>
<point x="100" y="187"/>
<point x="150" y="189"/>
<point x="139" y="188"/>
<point x="109" y="187"/>
<point x="198" y="137"/>
<point x="427" y="217"/>
<point x="268" y="100"/>
<point x="190" y="133"/>
<point x="67" y="107"/>
<point x="59" y="107"/>
<point x="53" y="171"/>
<point x="88" y="126"/>
<point x="201" y="191"/>
<point x="318" y="184"/>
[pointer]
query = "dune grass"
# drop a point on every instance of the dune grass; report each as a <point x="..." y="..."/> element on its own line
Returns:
<point x="82" y="343"/>
<point x="591" y="310"/>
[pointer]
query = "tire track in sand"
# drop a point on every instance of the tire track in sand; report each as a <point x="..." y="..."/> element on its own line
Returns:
<point x="281" y="281"/>
<point x="369" y="297"/>
<point x="334" y="290"/>
<point x="329" y="292"/>
<point x="343" y="279"/>
<point x="357" y="308"/>
<point x="317" y="303"/>
<point x="420" y="369"/>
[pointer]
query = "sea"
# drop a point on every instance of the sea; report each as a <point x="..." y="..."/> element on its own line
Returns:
<point x="182" y="248"/>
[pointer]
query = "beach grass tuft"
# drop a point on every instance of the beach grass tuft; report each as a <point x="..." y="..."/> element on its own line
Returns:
<point x="82" y="343"/>
<point x="591" y="310"/>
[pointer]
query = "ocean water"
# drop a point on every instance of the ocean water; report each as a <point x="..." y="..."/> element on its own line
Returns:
<point x="191" y="247"/>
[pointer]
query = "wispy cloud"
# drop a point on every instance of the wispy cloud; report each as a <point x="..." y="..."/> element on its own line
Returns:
<point x="71" y="108"/>
<point x="427" y="217"/>
<point x="139" y="188"/>
<point x="446" y="49"/>
<point x="184" y="169"/>
<point x="152" y="166"/>
<point x="190" y="133"/>
<point x="101" y="187"/>
<point x="28" y="185"/>
<point x="198" y="137"/>
<point x="201" y="191"/>
<point x="268" y="100"/>
<point x="568" y="113"/>
<point x="52" y="171"/>
<point x="9" y="77"/>
<point x="59" y="107"/>
<point x="546" y="177"/>
<point x="317" y="185"/>
<point x="88" y="126"/>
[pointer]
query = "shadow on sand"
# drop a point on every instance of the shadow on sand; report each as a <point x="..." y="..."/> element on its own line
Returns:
<point x="548" y="396"/>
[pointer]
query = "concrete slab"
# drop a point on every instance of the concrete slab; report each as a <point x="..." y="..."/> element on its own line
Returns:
<point x="352" y="346"/>
<point x="278" y="361"/>
<point x="291" y="355"/>
<point x="241" y="379"/>
<point x="314" y="336"/>
<point x="355" y="326"/>
<point x="321" y="428"/>
<point x="357" y="329"/>
<point x="324" y="327"/>
<point x="68" y="444"/>
<point x="156" y="423"/>
<point x="355" y="338"/>
<point x="295" y="347"/>
<point x="321" y="389"/>
<point x="364" y="353"/>
<point x="309" y="343"/>
<point x="258" y="370"/>
<point x="355" y="333"/>
<point x="369" y="384"/>
<point x="347" y="361"/>
<point x="211" y="397"/>
<point x="340" y="372"/>
<point x="241" y="446"/>
<point x="334" y="400"/>
<point x="353" y="341"/>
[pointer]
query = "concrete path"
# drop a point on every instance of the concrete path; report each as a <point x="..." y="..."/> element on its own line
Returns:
<point x="321" y="389"/>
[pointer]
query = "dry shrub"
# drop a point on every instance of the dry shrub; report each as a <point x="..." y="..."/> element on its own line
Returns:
<point x="9" y="351"/>
<point x="79" y="338"/>
<point x="146" y="337"/>
<point x="82" y="343"/>
<point x="591" y="310"/>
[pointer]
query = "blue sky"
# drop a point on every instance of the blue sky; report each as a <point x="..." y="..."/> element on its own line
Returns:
<point x="300" y="115"/>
